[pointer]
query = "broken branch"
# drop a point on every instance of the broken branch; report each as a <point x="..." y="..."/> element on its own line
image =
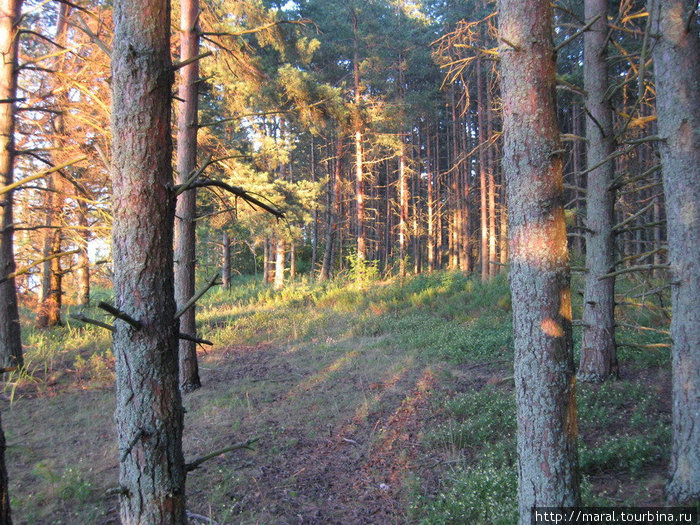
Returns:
<point x="189" y="467"/>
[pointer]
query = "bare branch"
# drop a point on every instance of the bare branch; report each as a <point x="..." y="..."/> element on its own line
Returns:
<point x="189" y="467"/>
<point x="197" y="296"/>
<point x="120" y="315"/>
<point x="36" y="263"/>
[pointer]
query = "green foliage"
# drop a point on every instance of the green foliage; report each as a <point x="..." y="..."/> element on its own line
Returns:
<point x="362" y="270"/>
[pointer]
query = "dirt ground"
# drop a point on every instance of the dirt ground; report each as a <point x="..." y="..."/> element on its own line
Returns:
<point x="339" y="428"/>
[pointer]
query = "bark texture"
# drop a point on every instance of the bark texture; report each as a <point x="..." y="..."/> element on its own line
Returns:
<point x="10" y="337"/>
<point x="677" y="72"/>
<point x="5" y="515"/>
<point x="185" y="251"/>
<point x="539" y="279"/>
<point x="598" y="351"/>
<point x="149" y="413"/>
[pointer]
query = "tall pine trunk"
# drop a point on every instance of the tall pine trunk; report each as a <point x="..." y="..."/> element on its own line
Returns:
<point x="149" y="414"/>
<point x="598" y="351"/>
<point x="677" y="72"/>
<point x="185" y="250"/>
<point x="483" y="169"/>
<point x="539" y="274"/>
<point x="10" y="337"/>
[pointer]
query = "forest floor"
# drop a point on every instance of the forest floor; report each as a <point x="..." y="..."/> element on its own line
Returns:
<point x="388" y="403"/>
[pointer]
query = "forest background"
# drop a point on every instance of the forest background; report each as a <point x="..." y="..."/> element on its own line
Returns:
<point x="355" y="141"/>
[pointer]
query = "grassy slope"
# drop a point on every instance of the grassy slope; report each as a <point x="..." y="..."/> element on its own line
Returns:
<point x="381" y="402"/>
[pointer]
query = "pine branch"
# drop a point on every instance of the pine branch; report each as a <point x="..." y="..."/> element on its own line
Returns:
<point x="178" y="65"/>
<point x="635" y="269"/>
<point x="239" y="192"/>
<point x="632" y="217"/>
<point x="41" y="174"/>
<point x="577" y="33"/>
<point x="197" y="296"/>
<point x="189" y="467"/>
<point x="120" y="315"/>
<point x="36" y="263"/>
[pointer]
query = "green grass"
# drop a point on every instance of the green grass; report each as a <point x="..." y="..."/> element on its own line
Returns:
<point x="377" y="330"/>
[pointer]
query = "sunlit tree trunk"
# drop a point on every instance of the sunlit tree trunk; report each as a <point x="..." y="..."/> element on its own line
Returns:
<point x="226" y="261"/>
<point x="431" y="202"/>
<point x="10" y="338"/>
<point x="598" y="351"/>
<point x="185" y="249"/>
<point x="403" y="209"/>
<point x="149" y="414"/>
<point x="483" y="170"/>
<point x="359" y="175"/>
<point x="279" y="263"/>
<point x="677" y="72"/>
<point x="539" y="273"/>
<point x="50" y="296"/>
<point x="50" y="299"/>
<point x="83" y="267"/>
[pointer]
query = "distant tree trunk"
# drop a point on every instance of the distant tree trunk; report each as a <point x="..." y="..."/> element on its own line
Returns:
<point x="431" y="203"/>
<point x="226" y="262"/>
<point x="10" y="337"/>
<point x="83" y="266"/>
<point x="185" y="211"/>
<point x="292" y="260"/>
<point x="314" y="231"/>
<point x="483" y="169"/>
<point x="149" y="413"/>
<point x="49" y="305"/>
<point x="359" y="175"/>
<point x="598" y="351"/>
<point x="677" y="72"/>
<point x="5" y="514"/>
<point x="465" y="226"/>
<point x="403" y="209"/>
<point x="332" y="221"/>
<point x="51" y="296"/>
<point x="279" y="264"/>
<point x="491" y="181"/>
<point x="539" y="273"/>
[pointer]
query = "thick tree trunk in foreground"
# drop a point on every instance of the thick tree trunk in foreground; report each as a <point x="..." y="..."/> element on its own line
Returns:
<point x="5" y="515"/>
<point x="186" y="203"/>
<point x="598" y="351"/>
<point x="10" y="337"/>
<point x="677" y="71"/>
<point x="539" y="275"/>
<point x="149" y="413"/>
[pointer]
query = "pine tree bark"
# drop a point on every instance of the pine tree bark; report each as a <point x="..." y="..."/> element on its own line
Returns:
<point x="5" y="513"/>
<point x="185" y="211"/>
<point x="677" y="72"/>
<point x="149" y="414"/>
<point x="10" y="337"/>
<point x="539" y="275"/>
<point x="598" y="350"/>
